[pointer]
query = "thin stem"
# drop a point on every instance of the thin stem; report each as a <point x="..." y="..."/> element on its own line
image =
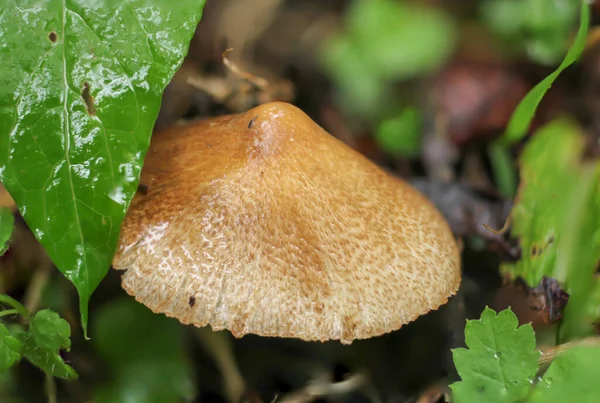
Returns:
<point x="51" y="388"/>
<point x="37" y="284"/>
<point x="5" y="299"/>
<point x="218" y="345"/>
<point x="9" y="312"/>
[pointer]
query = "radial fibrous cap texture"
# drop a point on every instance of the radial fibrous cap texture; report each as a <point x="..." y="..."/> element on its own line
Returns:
<point x="263" y="223"/>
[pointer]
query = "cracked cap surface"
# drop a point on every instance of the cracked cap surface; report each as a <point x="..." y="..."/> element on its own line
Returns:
<point x="263" y="223"/>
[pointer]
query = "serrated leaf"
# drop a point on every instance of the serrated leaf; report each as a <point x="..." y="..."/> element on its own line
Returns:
<point x="10" y="349"/>
<point x="81" y="88"/>
<point x="46" y="359"/>
<point x="521" y="118"/>
<point x="500" y="361"/>
<point x="550" y="168"/>
<point x="146" y="353"/>
<point x="572" y="377"/>
<point x="50" y="331"/>
<point x="7" y="223"/>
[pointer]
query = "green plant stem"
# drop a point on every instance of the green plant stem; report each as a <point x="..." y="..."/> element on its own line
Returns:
<point x="37" y="284"/>
<point x="51" y="388"/>
<point x="5" y="299"/>
<point x="503" y="169"/>
<point x="9" y="312"/>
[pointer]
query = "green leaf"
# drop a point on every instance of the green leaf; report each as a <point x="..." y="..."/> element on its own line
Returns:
<point x="385" y="40"/>
<point x="10" y="349"/>
<point x="398" y="40"/>
<point x="572" y="377"/>
<point x="50" y="331"/>
<point x="579" y="254"/>
<point x="541" y="27"/>
<point x="48" y="360"/>
<point x="500" y="362"/>
<point x="550" y="169"/>
<point x="401" y="135"/>
<point x="81" y="88"/>
<point x="146" y="353"/>
<point x="7" y="222"/>
<point x="525" y="111"/>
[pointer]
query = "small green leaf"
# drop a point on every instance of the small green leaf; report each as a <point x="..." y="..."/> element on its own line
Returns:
<point x="50" y="331"/>
<point x="500" y="362"/>
<point x="572" y="377"/>
<point x="7" y="222"/>
<point x="10" y="349"/>
<point x="46" y="359"/>
<point x="401" y="135"/>
<point x="550" y="169"/>
<point x="525" y="111"/>
<point x="81" y="88"/>
<point x="146" y="352"/>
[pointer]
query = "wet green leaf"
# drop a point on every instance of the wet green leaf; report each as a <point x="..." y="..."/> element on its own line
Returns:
<point x="401" y="135"/>
<point x="550" y="168"/>
<point x="48" y="360"/>
<point x="572" y="377"/>
<point x="7" y="222"/>
<point x="81" y="88"/>
<point x="10" y="349"/>
<point x="50" y="331"/>
<point x="500" y="362"/>
<point x="146" y="353"/>
<point x="523" y="115"/>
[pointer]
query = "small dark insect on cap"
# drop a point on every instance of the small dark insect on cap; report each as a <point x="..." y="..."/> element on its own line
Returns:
<point x="192" y="301"/>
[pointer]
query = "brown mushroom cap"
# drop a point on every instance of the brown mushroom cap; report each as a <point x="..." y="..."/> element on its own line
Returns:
<point x="264" y="223"/>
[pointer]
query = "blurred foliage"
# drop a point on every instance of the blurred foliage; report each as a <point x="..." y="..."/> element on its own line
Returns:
<point x="579" y="254"/>
<point x="540" y="27"/>
<point x="556" y="218"/>
<point x="401" y="134"/>
<point x="7" y="221"/>
<point x="503" y="168"/>
<point x="518" y="125"/>
<point x="385" y="41"/>
<point x="572" y="377"/>
<point x="10" y="349"/>
<point x="146" y="354"/>
<point x="549" y="163"/>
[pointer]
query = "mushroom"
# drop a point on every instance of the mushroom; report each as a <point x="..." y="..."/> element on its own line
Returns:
<point x="263" y="223"/>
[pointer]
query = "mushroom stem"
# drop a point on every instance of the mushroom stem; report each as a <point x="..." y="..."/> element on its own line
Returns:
<point x="218" y="346"/>
<point x="321" y="389"/>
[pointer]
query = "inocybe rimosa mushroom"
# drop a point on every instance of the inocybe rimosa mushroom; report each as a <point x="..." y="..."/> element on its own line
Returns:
<point x="263" y="223"/>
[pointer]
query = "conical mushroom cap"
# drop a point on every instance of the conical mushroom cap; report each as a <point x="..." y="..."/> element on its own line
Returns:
<point x="264" y="223"/>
